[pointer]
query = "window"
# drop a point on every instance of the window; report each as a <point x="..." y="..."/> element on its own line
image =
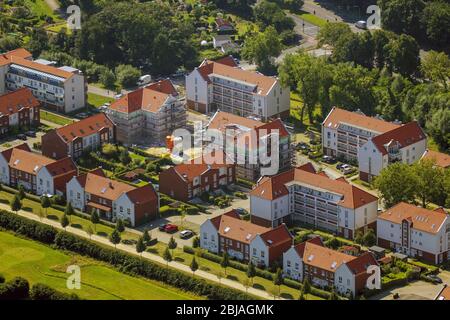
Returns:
<point x="121" y="209"/>
<point x="128" y="211"/>
<point x="254" y="251"/>
<point x="340" y="279"/>
<point x="296" y="266"/>
<point x="78" y="196"/>
<point x="288" y="263"/>
<point x="205" y="236"/>
<point x="262" y="254"/>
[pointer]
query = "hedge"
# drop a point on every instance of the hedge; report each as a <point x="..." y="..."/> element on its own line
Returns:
<point x="19" y="289"/>
<point x="245" y="183"/>
<point x="124" y="262"/>
<point x="41" y="291"/>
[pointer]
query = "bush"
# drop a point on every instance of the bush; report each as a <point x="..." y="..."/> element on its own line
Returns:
<point x="2" y="278"/>
<point x="127" y="75"/>
<point x="41" y="291"/>
<point x="15" y="289"/>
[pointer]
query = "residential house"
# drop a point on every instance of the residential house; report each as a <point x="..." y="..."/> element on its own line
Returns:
<point x="74" y="139"/>
<point x="189" y="180"/>
<point x="18" y="109"/>
<point x="113" y="199"/>
<point x="243" y="240"/>
<point x="343" y="132"/>
<point x="312" y="198"/>
<point x="414" y="231"/>
<point x="222" y="85"/>
<point x="405" y="144"/>
<point x="327" y="268"/>
<point x="223" y="25"/>
<point x="36" y="173"/>
<point x="220" y="40"/>
<point x="248" y="137"/>
<point x="442" y="160"/>
<point x="62" y="89"/>
<point x="152" y="113"/>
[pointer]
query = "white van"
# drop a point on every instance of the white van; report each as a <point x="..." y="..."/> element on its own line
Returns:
<point x="145" y="79"/>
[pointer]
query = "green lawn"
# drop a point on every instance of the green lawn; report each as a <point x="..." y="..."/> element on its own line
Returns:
<point x="231" y="274"/>
<point x="40" y="7"/>
<point x="40" y="263"/>
<point x="96" y="100"/>
<point x="309" y="17"/>
<point x="75" y="221"/>
<point x="52" y="117"/>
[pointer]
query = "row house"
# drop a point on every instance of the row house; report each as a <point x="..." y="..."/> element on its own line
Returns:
<point x="113" y="199"/>
<point x="243" y="240"/>
<point x="62" y="89"/>
<point x="18" y="109"/>
<point x="152" y="113"/>
<point x="417" y="232"/>
<point x="248" y="137"/>
<point x="189" y="180"/>
<point x="74" y="139"/>
<point x="312" y="198"/>
<point x="343" y="132"/>
<point x="19" y="166"/>
<point x="221" y="84"/>
<point x="440" y="159"/>
<point x="327" y="268"/>
<point x="405" y="144"/>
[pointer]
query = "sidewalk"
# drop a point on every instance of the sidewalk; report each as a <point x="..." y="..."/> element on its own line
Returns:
<point x="153" y="257"/>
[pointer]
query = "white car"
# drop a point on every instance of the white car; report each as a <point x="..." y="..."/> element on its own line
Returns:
<point x="118" y="96"/>
<point x="186" y="234"/>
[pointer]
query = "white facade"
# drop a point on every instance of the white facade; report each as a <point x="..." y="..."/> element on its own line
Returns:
<point x="123" y="209"/>
<point x="75" y="194"/>
<point x="270" y="210"/>
<point x="209" y="237"/>
<point x="44" y="182"/>
<point x="4" y="170"/>
<point x="259" y="252"/>
<point x="293" y="265"/>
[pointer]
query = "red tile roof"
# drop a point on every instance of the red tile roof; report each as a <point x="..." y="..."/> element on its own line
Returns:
<point x="12" y="102"/>
<point x="338" y="116"/>
<point x="85" y="127"/>
<point x="20" y="52"/>
<point x="442" y="160"/>
<point x="276" y="235"/>
<point x="422" y="219"/>
<point x="362" y="262"/>
<point x="405" y="135"/>
<point x="300" y="248"/>
<point x="164" y="86"/>
<point x="275" y="187"/>
<point x="40" y="67"/>
<point x="444" y="294"/>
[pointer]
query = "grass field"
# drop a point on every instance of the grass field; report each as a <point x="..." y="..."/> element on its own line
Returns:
<point x="309" y="17"/>
<point x="48" y="116"/>
<point x="40" y="7"/>
<point x="96" y="100"/>
<point x="39" y="263"/>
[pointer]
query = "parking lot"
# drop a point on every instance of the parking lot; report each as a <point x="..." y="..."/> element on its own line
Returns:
<point x="9" y="142"/>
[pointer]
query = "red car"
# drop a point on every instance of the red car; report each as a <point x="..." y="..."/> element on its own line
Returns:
<point x="170" y="228"/>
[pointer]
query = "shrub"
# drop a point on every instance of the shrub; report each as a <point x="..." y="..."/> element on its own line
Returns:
<point x="41" y="291"/>
<point x="2" y="278"/>
<point x="15" y="289"/>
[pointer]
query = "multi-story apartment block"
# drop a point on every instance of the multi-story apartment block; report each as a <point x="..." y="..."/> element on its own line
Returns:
<point x="113" y="199"/>
<point x="222" y="85"/>
<point x="74" y="139"/>
<point x="327" y="268"/>
<point x="312" y="198"/>
<point x="150" y="113"/>
<point x="243" y="240"/>
<point x="441" y="159"/>
<point x="405" y="144"/>
<point x="238" y="131"/>
<point x="36" y="173"/>
<point x="62" y="89"/>
<point x="188" y="180"/>
<point x="18" y="109"/>
<point x="416" y="232"/>
<point x="343" y="132"/>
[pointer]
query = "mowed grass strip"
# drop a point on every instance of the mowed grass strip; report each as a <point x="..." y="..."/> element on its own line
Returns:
<point x="40" y="263"/>
<point x="52" y="117"/>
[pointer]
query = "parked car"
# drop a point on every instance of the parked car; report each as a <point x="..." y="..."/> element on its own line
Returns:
<point x="241" y="211"/>
<point x="82" y="115"/>
<point x="361" y="24"/>
<point x="30" y="134"/>
<point x="145" y="79"/>
<point x="328" y="159"/>
<point x="185" y="234"/>
<point x="162" y="227"/>
<point x="302" y="146"/>
<point x="171" y="228"/>
<point x="118" y="96"/>
<point x="346" y="169"/>
<point x="339" y="166"/>
<point x="21" y="136"/>
<point x="434" y="278"/>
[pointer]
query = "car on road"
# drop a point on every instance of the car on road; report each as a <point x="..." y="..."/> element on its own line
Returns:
<point x="118" y="96"/>
<point x="241" y="211"/>
<point x="302" y="146"/>
<point x="329" y="159"/>
<point x="21" y="136"/>
<point x="361" y="25"/>
<point x="186" y="234"/>
<point x="31" y="134"/>
<point x="434" y="279"/>
<point x="171" y="228"/>
<point x="82" y="115"/>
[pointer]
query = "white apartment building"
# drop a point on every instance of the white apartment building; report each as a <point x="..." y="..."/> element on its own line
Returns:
<point x="312" y="198"/>
<point x="150" y="113"/>
<point x="343" y="132"/>
<point x="62" y="89"/>
<point x="416" y="232"/>
<point x="406" y="144"/>
<point x="222" y="85"/>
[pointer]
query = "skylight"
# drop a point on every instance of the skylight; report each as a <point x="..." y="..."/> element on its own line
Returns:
<point x="103" y="190"/>
<point x="227" y="229"/>
<point x="310" y="258"/>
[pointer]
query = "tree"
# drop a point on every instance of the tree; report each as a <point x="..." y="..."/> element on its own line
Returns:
<point x="146" y="237"/>
<point x="16" y="204"/>
<point x="439" y="128"/>
<point x="436" y="20"/>
<point x="436" y="67"/>
<point x="115" y="238"/>
<point x="332" y="32"/>
<point x="225" y="262"/>
<point x="430" y="180"/>
<point x="333" y="295"/>
<point x="69" y="210"/>
<point x="251" y="271"/>
<point x="172" y="245"/>
<point x="183" y="211"/>
<point x="246" y="283"/>
<point x="359" y="237"/>
<point x="167" y="256"/>
<point x="127" y="75"/>
<point x="95" y="218"/>
<point x="397" y="183"/>
<point x="193" y="266"/>
<point x="107" y="78"/>
<point x="306" y="286"/>
<point x="404" y="55"/>
<point x="21" y="193"/>
<point x="140" y="246"/>
<point x="196" y="242"/>
<point x="278" y="279"/>
<point x="89" y="231"/>
<point x="40" y="214"/>
<point x="64" y="221"/>
<point x="370" y="238"/>
<point x="401" y="16"/>
<point x="45" y="203"/>
<point x="119" y="226"/>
